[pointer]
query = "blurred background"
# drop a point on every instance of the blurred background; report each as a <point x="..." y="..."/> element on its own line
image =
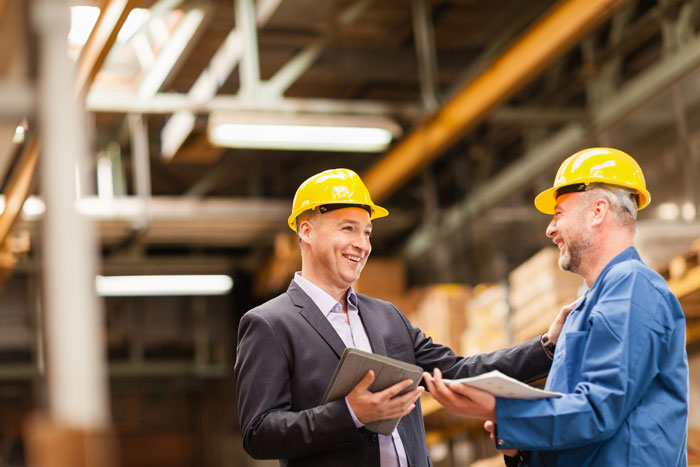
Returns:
<point x="198" y="119"/>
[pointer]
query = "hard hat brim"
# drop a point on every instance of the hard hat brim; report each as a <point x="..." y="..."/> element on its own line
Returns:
<point x="377" y="212"/>
<point x="547" y="200"/>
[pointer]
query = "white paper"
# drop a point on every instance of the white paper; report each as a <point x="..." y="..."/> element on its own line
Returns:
<point x="504" y="386"/>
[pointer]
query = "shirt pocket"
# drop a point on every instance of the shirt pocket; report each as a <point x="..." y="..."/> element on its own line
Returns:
<point x="575" y="348"/>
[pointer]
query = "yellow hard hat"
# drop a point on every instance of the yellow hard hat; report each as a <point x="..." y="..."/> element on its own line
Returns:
<point x="333" y="187"/>
<point x="595" y="166"/>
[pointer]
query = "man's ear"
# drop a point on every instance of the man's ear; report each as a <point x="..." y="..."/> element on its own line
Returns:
<point x="598" y="211"/>
<point x="305" y="231"/>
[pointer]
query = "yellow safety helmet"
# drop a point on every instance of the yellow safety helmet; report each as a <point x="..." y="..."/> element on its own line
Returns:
<point x="595" y="166"/>
<point x="333" y="187"/>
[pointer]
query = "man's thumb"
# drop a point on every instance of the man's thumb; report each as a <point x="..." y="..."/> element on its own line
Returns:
<point x="367" y="381"/>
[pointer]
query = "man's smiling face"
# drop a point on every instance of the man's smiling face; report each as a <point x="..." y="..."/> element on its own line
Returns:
<point x="340" y="246"/>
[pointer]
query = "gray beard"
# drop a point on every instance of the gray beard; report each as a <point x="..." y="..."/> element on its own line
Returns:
<point x="576" y="249"/>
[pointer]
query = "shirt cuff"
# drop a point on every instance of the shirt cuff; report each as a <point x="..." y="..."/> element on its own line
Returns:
<point x="358" y="423"/>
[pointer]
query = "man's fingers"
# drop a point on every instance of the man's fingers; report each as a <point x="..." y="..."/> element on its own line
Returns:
<point x="366" y="382"/>
<point x="393" y="390"/>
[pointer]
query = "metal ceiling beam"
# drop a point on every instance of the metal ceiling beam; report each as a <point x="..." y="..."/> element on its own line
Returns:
<point x="173" y="51"/>
<point x="297" y="66"/>
<point x="179" y="126"/>
<point x="165" y="103"/>
<point x="638" y="91"/>
<point x="250" y="61"/>
<point x="113" y="13"/>
<point x="425" y="53"/>
<point x="538" y="47"/>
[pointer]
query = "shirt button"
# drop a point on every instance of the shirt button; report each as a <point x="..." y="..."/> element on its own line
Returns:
<point x="501" y="442"/>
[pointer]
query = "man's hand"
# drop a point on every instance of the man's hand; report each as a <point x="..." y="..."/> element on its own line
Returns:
<point x="491" y="428"/>
<point x="460" y="398"/>
<point x="558" y="323"/>
<point x="382" y="405"/>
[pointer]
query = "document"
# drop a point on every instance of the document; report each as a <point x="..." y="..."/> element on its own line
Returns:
<point x="353" y="366"/>
<point x="504" y="386"/>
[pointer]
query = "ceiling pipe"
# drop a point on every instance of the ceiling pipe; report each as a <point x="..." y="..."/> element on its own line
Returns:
<point x="537" y="48"/>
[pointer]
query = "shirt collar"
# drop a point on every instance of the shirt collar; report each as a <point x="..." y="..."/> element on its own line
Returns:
<point x="321" y="298"/>
<point x="628" y="254"/>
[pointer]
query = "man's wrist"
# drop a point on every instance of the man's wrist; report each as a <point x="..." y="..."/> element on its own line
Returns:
<point x="548" y="345"/>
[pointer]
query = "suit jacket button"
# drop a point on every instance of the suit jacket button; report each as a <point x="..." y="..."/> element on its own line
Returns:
<point x="374" y="437"/>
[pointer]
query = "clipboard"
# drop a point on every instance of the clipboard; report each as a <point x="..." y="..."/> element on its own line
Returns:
<point x="354" y="365"/>
<point x="503" y="386"/>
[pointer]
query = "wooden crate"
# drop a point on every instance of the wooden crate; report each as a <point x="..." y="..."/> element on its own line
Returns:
<point x="487" y="318"/>
<point x="539" y="275"/>
<point x="382" y="278"/>
<point x="441" y="313"/>
<point x="538" y="291"/>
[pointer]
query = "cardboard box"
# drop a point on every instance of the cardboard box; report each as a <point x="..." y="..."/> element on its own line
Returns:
<point x="441" y="313"/>
<point x="487" y="317"/>
<point x="382" y="278"/>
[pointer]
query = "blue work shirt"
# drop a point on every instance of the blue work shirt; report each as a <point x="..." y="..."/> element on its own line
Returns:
<point x="622" y="365"/>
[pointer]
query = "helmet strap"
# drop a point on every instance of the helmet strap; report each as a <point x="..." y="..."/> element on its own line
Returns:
<point x="332" y="207"/>
<point x="575" y="188"/>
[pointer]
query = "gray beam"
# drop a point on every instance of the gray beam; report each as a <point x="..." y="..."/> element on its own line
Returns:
<point x="425" y="52"/>
<point x="250" y="62"/>
<point x="164" y="103"/>
<point x="297" y="66"/>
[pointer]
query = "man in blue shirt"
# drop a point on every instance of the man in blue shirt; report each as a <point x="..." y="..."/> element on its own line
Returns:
<point x="620" y="360"/>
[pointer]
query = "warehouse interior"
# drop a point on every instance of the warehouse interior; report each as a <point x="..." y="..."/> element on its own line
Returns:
<point x="481" y="102"/>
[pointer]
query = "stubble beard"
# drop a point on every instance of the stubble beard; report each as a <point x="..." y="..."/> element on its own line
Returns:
<point x="577" y="245"/>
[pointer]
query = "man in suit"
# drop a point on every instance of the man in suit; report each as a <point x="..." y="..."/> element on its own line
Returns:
<point x="289" y="347"/>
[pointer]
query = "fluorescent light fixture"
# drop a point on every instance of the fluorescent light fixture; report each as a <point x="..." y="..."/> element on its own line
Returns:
<point x="154" y="286"/>
<point x="302" y="132"/>
<point x="668" y="211"/>
<point x="32" y="209"/>
<point x="82" y="20"/>
<point x="688" y="211"/>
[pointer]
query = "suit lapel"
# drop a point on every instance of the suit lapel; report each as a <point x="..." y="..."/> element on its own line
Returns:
<point x="310" y="312"/>
<point x="371" y="327"/>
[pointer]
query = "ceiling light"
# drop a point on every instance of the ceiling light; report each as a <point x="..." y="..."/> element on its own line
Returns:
<point x="302" y="132"/>
<point x="668" y="211"/>
<point x="153" y="286"/>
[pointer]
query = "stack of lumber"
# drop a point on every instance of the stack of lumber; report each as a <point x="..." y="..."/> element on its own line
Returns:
<point x="538" y="290"/>
<point x="385" y="279"/>
<point x="487" y="315"/>
<point x="441" y="313"/>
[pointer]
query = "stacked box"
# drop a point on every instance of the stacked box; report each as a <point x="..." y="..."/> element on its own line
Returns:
<point x="538" y="290"/>
<point x="487" y="315"/>
<point x="441" y="313"/>
<point x="383" y="278"/>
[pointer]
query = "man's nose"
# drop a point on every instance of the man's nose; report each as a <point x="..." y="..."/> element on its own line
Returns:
<point x="551" y="229"/>
<point x="362" y="242"/>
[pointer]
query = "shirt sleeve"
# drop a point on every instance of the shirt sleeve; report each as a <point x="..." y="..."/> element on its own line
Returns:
<point x="358" y="423"/>
<point x="603" y="365"/>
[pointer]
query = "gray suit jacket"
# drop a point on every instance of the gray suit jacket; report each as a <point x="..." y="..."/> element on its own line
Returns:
<point x="287" y="352"/>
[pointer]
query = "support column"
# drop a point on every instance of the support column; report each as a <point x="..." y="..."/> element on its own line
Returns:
<point x="75" y="430"/>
